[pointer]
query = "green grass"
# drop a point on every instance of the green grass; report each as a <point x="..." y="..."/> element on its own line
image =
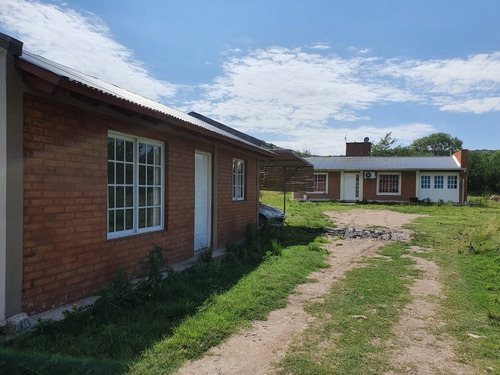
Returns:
<point x="200" y="308"/>
<point x="465" y="242"/>
<point x="124" y="323"/>
<point x="29" y="363"/>
<point x="264" y="290"/>
<point x="155" y="329"/>
<point x="354" y="322"/>
<point x="471" y="269"/>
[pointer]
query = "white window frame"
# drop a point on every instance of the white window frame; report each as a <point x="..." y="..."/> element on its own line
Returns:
<point x="449" y="179"/>
<point x="314" y="184"/>
<point x="238" y="177"/>
<point x="438" y="182"/>
<point x="380" y="174"/>
<point x="143" y="187"/>
<point x="428" y="181"/>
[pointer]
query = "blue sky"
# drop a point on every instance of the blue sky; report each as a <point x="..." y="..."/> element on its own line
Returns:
<point x="306" y="75"/>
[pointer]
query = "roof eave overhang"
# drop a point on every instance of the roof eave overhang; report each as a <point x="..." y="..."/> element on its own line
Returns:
<point x="51" y="83"/>
<point x="286" y="158"/>
<point x="387" y="169"/>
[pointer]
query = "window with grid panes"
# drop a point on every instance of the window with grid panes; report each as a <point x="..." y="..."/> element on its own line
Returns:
<point x="389" y="183"/>
<point x="238" y="180"/>
<point x="425" y="182"/>
<point x="135" y="185"/>
<point x="320" y="185"/>
<point x="452" y="182"/>
<point x="438" y="182"/>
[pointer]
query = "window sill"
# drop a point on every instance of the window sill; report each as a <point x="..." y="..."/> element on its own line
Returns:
<point x="118" y="236"/>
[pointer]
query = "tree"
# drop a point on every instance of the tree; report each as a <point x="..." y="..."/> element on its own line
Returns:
<point x="493" y="176"/>
<point x="478" y="171"/>
<point x="438" y="144"/>
<point x="304" y="153"/>
<point x="382" y="148"/>
<point x="484" y="172"/>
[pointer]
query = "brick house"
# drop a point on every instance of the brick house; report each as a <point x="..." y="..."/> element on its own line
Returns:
<point x="91" y="176"/>
<point x="359" y="176"/>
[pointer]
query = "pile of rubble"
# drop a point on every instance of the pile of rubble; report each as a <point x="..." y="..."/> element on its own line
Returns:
<point x="384" y="234"/>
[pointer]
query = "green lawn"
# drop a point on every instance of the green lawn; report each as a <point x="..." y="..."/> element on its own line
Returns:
<point x="154" y="329"/>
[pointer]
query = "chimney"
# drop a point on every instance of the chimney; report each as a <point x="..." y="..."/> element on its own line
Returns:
<point x="358" y="149"/>
<point x="462" y="157"/>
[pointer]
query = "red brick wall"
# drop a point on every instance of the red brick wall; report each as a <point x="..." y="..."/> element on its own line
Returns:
<point x="333" y="192"/>
<point x="408" y="188"/>
<point x="66" y="253"/>
<point x="234" y="216"/>
<point x="462" y="157"/>
<point x="408" y="181"/>
<point x="358" y="149"/>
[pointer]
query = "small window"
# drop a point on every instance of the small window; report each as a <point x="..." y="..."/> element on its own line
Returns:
<point x="438" y="182"/>
<point x="389" y="184"/>
<point x="238" y="180"/>
<point x="135" y="185"/>
<point x="320" y="183"/>
<point x="425" y="182"/>
<point x="452" y="182"/>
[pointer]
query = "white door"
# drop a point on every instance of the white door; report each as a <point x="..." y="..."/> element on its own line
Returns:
<point x="351" y="186"/>
<point x="202" y="200"/>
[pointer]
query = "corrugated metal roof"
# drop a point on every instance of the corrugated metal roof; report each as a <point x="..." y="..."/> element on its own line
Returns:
<point x="249" y="138"/>
<point x="384" y="163"/>
<point x="120" y="93"/>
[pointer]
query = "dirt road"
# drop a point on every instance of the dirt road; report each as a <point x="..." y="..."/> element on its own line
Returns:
<point x="253" y="351"/>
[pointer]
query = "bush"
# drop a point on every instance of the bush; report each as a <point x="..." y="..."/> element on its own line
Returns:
<point x="485" y="239"/>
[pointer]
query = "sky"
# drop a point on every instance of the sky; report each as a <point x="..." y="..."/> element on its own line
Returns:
<point x="305" y="75"/>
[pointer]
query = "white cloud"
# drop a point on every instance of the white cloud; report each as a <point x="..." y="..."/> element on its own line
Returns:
<point x="457" y="85"/>
<point x="297" y="99"/>
<point x="320" y="46"/>
<point x="279" y="88"/>
<point x="331" y="141"/>
<point x="454" y="76"/>
<point x="476" y="106"/>
<point x="81" y="42"/>
<point x="361" y="51"/>
<point x="304" y="100"/>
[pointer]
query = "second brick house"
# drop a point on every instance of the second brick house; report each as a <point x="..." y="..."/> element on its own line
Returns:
<point x="357" y="176"/>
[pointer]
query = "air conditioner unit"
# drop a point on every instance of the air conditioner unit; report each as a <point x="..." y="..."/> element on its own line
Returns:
<point x="370" y="175"/>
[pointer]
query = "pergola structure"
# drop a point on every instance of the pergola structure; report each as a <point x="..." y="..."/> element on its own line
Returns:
<point x="287" y="172"/>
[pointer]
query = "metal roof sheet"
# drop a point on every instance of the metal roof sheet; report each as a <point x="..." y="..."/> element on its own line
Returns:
<point x="128" y="96"/>
<point x="384" y="163"/>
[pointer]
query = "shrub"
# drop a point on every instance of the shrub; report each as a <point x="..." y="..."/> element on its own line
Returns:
<point x="485" y="238"/>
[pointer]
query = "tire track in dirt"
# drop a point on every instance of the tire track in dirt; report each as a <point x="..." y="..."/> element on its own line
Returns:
<point x="254" y="350"/>
<point x="417" y="350"/>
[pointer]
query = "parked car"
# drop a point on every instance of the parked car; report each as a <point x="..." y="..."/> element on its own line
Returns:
<point x="269" y="215"/>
